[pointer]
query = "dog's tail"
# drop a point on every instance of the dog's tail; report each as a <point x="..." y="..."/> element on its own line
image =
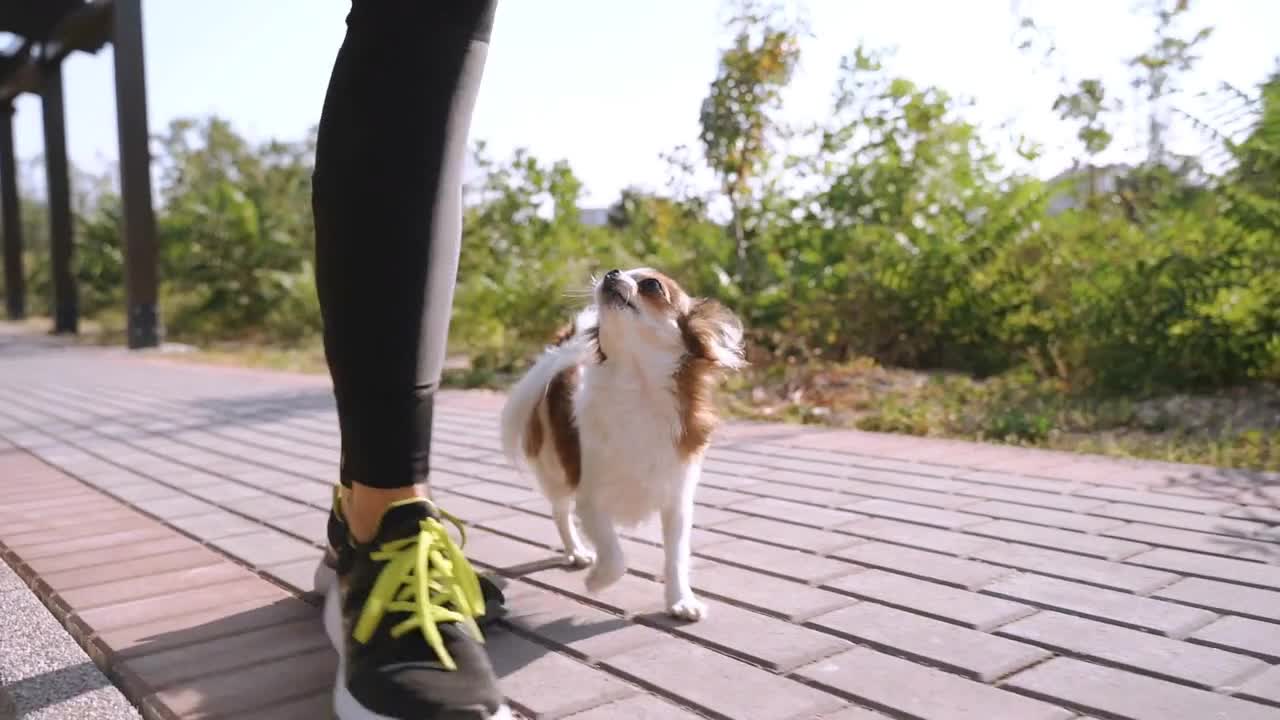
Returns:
<point x="524" y="396"/>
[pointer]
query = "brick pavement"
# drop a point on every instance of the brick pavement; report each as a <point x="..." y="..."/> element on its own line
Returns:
<point x="851" y="575"/>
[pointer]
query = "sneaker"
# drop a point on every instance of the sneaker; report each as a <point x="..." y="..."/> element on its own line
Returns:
<point x="402" y="616"/>
<point x="338" y="553"/>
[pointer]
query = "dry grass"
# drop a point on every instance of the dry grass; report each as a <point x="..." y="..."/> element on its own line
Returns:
<point x="1237" y="428"/>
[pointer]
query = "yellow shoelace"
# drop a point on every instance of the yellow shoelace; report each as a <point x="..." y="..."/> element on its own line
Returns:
<point x="428" y="577"/>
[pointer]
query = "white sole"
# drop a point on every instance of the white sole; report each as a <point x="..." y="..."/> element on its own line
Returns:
<point x="323" y="577"/>
<point x="345" y="705"/>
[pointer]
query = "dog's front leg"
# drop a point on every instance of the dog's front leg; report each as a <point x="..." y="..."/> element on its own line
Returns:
<point x="575" y="552"/>
<point x="677" y="529"/>
<point x="610" y="564"/>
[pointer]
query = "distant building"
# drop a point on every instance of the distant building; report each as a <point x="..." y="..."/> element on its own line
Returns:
<point x="594" y="217"/>
<point x="1072" y="186"/>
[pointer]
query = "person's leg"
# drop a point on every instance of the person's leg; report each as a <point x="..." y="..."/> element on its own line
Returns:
<point x="387" y="207"/>
<point x="387" y="203"/>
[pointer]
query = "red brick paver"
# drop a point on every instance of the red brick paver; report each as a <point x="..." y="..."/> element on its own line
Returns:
<point x="171" y="515"/>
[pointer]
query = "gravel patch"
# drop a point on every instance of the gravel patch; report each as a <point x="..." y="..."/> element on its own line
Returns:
<point x="44" y="674"/>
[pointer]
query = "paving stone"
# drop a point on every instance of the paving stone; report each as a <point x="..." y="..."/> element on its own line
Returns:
<point x="631" y="595"/>
<point x="786" y="534"/>
<point x="719" y="498"/>
<point x="1044" y="516"/>
<point x="923" y="564"/>
<point x="945" y="519"/>
<point x="119" y="554"/>
<point x="924" y="534"/>
<point x="525" y="527"/>
<point x="791" y="564"/>
<point x="1181" y="520"/>
<point x="176" y="507"/>
<point x="138" y="492"/>
<point x="273" y="607"/>
<point x="759" y="639"/>
<point x="910" y="690"/>
<point x="299" y="574"/>
<point x="1033" y="498"/>
<point x="1225" y="597"/>
<point x="310" y="707"/>
<point x="1264" y="688"/>
<point x="318" y="495"/>
<point x="1105" y="548"/>
<point x="216" y="525"/>
<point x="313" y="527"/>
<point x="508" y="556"/>
<point x="1256" y="513"/>
<point x="927" y="538"/>
<point x="267" y="547"/>
<point x="1197" y="541"/>
<point x="544" y="684"/>
<point x="1116" y="693"/>
<point x="1260" y="639"/>
<point x="1014" y="480"/>
<point x="81" y="543"/>
<point x="585" y="631"/>
<point x="735" y="469"/>
<point x="898" y="493"/>
<point x="794" y="512"/>
<point x="471" y="510"/>
<point x="1080" y="568"/>
<point x="227" y="653"/>
<point x="1154" y="499"/>
<point x="720" y="685"/>
<point x="229" y="693"/>
<point x="971" y="653"/>
<point x="225" y="492"/>
<point x="1107" y="605"/>
<point x="962" y="607"/>
<point x="640" y="707"/>
<point x="854" y="713"/>
<point x="266" y="507"/>
<point x="774" y="596"/>
<point x="37" y="532"/>
<point x="150" y="609"/>
<point x="496" y="492"/>
<point x="138" y="569"/>
<point x="707" y="517"/>
<point x="1133" y="649"/>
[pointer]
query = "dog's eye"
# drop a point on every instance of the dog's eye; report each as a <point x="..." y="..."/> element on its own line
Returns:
<point x="650" y="286"/>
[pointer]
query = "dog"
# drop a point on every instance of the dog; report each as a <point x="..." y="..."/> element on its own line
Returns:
<point x="615" y="417"/>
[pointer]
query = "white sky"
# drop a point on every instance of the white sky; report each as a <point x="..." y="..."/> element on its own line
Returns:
<point x="609" y="85"/>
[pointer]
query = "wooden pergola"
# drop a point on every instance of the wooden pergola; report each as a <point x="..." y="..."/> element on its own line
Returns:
<point x="47" y="31"/>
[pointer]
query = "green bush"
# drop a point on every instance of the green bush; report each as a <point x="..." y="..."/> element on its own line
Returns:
<point x="889" y="231"/>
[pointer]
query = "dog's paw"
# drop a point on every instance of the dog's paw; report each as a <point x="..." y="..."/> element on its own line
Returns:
<point x="687" y="608"/>
<point x="580" y="558"/>
<point x="604" y="573"/>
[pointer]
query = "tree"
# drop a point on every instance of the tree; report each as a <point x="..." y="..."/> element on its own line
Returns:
<point x="737" y="114"/>
<point x="1086" y="105"/>
<point x="1159" y="67"/>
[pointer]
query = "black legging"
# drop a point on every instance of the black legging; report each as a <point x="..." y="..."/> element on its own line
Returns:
<point x="387" y="202"/>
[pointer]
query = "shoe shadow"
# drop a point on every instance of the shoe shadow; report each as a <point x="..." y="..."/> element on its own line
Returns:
<point x="245" y="659"/>
<point x="249" y="658"/>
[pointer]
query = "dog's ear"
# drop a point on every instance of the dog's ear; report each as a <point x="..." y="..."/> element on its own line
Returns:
<point x="714" y="333"/>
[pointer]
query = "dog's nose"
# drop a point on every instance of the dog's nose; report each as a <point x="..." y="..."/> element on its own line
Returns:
<point x="612" y="274"/>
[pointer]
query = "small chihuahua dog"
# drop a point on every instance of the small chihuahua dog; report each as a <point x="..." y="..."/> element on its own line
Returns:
<point x="615" y="417"/>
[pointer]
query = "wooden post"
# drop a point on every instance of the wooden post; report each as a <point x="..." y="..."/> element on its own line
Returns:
<point x="66" y="314"/>
<point x="14" y="279"/>
<point x="141" y="272"/>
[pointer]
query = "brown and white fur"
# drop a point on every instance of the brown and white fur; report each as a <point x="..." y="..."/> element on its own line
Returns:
<point x="614" y="420"/>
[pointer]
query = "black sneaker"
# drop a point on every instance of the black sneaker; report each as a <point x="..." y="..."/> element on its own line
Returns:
<point x="338" y="554"/>
<point x="402" y="617"/>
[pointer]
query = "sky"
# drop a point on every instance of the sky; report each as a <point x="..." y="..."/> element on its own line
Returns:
<point x="609" y="86"/>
